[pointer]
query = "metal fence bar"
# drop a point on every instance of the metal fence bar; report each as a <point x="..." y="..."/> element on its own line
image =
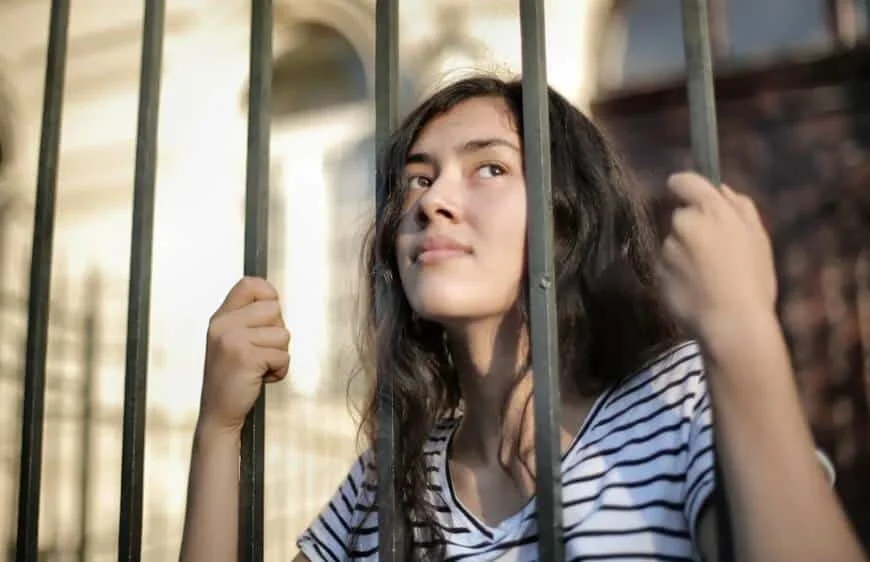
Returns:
<point x="139" y="305"/>
<point x="58" y="353"/>
<point x="27" y="541"/>
<point x="702" y="101"/>
<point x="92" y="298"/>
<point x="251" y="485"/>
<point x="705" y="153"/>
<point x="386" y="115"/>
<point x="542" y="286"/>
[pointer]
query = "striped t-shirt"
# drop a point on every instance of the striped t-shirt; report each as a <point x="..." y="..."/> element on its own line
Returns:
<point x="634" y="481"/>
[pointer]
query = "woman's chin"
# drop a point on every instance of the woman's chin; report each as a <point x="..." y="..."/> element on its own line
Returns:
<point x="443" y="314"/>
<point x="446" y="304"/>
<point x="452" y="312"/>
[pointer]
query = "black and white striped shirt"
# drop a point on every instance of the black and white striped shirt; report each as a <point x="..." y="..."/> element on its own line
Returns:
<point x="634" y="481"/>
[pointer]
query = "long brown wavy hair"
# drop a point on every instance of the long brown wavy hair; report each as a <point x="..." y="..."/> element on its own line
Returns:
<point x="610" y="318"/>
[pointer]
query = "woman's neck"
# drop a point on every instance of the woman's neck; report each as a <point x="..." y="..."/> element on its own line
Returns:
<point x="496" y="381"/>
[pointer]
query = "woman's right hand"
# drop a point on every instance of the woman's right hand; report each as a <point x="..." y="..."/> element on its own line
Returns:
<point x="247" y="345"/>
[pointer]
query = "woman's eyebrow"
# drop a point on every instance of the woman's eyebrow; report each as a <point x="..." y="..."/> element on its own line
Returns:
<point x="480" y="144"/>
<point x="420" y="158"/>
<point x="473" y="145"/>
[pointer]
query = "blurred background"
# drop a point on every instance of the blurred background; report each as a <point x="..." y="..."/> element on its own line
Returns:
<point x="793" y="87"/>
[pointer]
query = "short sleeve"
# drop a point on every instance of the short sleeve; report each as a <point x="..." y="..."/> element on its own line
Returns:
<point x="700" y="472"/>
<point x="700" y="468"/>
<point x="330" y="536"/>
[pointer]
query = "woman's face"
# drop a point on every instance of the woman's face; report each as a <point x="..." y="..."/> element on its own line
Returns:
<point x="461" y="240"/>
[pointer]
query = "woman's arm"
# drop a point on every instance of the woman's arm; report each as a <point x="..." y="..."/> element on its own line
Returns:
<point x="782" y="504"/>
<point x="717" y="276"/>
<point x="211" y="522"/>
<point x="247" y="344"/>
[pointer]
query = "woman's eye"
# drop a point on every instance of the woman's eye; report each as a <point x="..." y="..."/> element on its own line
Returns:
<point x="491" y="171"/>
<point x="419" y="182"/>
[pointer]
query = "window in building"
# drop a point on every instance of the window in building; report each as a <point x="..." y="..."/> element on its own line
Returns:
<point x="762" y="29"/>
<point x="643" y="41"/>
<point x="862" y="16"/>
<point x="321" y="69"/>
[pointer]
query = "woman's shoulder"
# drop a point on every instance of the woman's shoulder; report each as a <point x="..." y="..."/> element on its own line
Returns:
<point x="365" y="467"/>
<point x="684" y="352"/>
<point x="675" y="375"/>
<point x="682" y="361"/>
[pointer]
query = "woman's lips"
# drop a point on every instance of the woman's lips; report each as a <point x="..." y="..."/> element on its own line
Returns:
<point x="441" y="254"/>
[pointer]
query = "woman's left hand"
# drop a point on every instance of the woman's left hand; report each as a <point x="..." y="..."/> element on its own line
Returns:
<point x="716" y="269"/>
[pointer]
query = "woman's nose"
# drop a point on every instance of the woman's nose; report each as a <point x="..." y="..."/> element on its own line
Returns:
<point x="440" y="201"/>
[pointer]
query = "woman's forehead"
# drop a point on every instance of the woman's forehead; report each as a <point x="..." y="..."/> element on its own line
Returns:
<point x="482" y="117"/>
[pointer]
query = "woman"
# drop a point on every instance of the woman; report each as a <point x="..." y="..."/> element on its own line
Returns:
<point x="636" y="412"/>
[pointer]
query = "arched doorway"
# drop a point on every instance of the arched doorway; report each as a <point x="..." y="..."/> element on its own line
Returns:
<point x="319" y="70"/>
<point x="320" y="102"/>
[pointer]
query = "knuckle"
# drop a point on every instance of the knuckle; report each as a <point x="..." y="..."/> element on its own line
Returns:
<point x="749" y="204"/>
<point x="231" y="342"/>
<point x="680" y="220"/>
<point x="249" y="356"/>
<point x="215" y="328"/>
<point x="254" y="284"/>
<point x="247" y="284"/>
<point x="273" y="309"/>
<point x="268" y="287"/>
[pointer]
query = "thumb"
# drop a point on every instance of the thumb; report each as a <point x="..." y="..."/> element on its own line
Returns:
<point x="274" y="364"/>
<point x="275" y="375"/>
<point x="691" y="189"/>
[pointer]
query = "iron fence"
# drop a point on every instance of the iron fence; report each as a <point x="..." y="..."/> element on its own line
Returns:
<point x="81" y="499"/>
<point x="253" y="524"/>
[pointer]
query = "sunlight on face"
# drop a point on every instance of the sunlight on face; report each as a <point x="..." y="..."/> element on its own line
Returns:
<point x="462" y="237"/>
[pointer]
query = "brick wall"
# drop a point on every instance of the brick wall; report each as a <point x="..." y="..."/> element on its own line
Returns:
<point x="797" y="139"/>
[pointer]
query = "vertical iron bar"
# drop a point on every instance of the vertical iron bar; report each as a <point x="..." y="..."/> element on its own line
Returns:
<point x="702" y="102"/>
<point x="705" y="153"/>
<point x="56" y="398"/>
<point x="386" y="115"/>
<point x="89" y="370"/>
<point x="27" y="541"/>
<point x="8" y="434"/>
<point x="251" y="486"/>
<point x="542" y="286"/>
<point x="139" y="306"/>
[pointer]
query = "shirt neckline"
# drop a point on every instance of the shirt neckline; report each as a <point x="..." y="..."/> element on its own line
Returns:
<point x="512" y="522"/>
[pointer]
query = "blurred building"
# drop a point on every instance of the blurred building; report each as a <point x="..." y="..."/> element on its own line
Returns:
<point x="621" y="59"/>
<point x="793" y="96"/>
